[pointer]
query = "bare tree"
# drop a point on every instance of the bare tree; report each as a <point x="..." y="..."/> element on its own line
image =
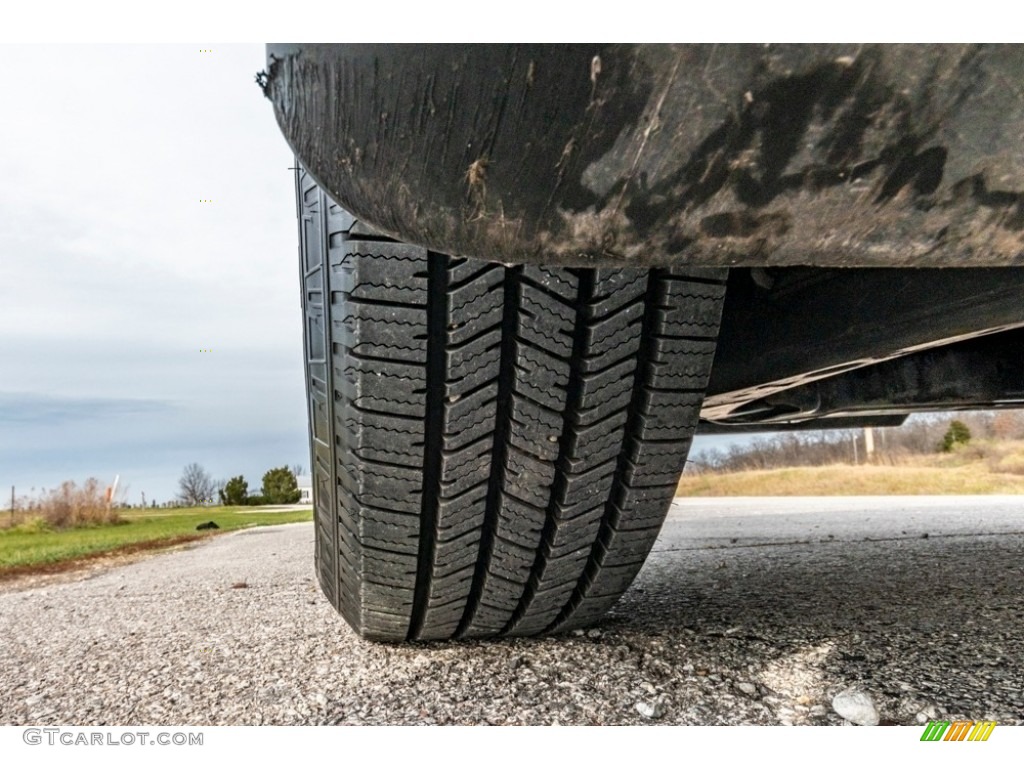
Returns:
<point x="195" y="486"/>
<point x="297" y="469"/>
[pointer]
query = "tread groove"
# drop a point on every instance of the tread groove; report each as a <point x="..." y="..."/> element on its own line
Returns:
<point x="437" y="321"/>
<point x="499" y="451"/>
<point x="574" y="399"/>
<point x="609" y="518"/>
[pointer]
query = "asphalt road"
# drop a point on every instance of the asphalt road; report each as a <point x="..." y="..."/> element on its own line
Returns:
<point x="749" y="611"/>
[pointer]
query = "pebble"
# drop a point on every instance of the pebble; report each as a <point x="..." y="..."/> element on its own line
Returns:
<point x="652" y="710"/>
<point x="856" y="706"/>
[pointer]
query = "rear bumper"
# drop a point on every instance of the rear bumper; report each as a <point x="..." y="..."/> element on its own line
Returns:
<point x="637" y="155"/>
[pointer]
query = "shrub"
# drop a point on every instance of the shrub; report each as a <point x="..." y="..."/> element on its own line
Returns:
<point x="70" y="506"/>
<point x="280" y="486"/>
<point x="957" y="434"/>
<point x="235" y="492"/>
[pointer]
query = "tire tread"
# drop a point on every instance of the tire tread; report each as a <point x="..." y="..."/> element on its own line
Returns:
<point x="494" y="448"/>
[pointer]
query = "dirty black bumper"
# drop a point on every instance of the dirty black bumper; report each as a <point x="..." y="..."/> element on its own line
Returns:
<point x="822" y="155"/>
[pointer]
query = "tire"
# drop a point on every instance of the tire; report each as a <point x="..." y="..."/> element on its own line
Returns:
<point x="494" y="448"/>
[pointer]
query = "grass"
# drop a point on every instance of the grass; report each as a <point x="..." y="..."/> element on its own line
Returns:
<point x="982" y="467"/>
<point x="34" y="546"/>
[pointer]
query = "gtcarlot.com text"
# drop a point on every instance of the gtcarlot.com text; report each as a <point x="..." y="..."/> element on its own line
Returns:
<point x="90" y="738"/>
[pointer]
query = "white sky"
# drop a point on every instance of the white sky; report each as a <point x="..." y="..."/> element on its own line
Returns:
<point x="113" y="274"/>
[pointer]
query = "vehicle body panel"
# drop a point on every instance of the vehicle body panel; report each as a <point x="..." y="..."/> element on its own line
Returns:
<point x="639" y="155"/>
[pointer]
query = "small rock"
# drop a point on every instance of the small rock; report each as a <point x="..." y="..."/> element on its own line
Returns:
<point x="593" y="634"/>
<point x="818" y="711"/>
<point x="856" y="706"/>
<point x="928" y="713"/>
<point x="652" y="710"/>
<point x="748" y="688"/>
<point x="803" y="700"/>
<point x="578" y="633"/>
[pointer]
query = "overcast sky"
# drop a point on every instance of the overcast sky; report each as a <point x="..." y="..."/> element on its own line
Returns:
<point x="113" y="274"/>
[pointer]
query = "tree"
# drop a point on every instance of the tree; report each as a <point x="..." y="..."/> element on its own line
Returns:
<point x="235" y="492"/>
<point x="195" y="486"/>
<point x="279" y="486"/>
<point x="957" y="434"/>
<point x="297" y="470"/>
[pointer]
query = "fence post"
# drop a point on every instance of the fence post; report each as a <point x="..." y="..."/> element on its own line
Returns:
<point x="12" y="505"/>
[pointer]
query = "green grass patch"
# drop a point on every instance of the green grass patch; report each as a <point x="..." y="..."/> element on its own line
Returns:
<point x="31" y="544"/>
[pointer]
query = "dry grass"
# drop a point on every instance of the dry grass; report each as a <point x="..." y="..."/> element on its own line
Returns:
<point x="68" y="506"/>
<point x="982" y="467"/>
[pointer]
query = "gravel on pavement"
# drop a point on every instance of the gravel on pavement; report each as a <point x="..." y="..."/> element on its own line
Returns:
<point x="750" y="611"/>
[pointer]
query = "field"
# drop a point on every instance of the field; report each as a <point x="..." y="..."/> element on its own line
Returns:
<point x="980" y="468"/>
<point x="26" y="548"/>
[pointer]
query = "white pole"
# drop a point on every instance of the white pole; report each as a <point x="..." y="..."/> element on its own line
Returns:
<point x="113" y="490"/>
<point x="869" y="443"/>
